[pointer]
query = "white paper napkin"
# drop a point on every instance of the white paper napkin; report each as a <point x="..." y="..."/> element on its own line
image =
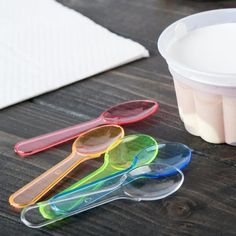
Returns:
<point x="44" y="46"/>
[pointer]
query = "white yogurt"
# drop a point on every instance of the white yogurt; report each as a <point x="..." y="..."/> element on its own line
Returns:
<point x="208" y="49"/>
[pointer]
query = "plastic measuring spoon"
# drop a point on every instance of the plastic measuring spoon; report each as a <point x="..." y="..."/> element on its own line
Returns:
<point x="118" y="159"/>
<point x="174" y="154"/>
<point x="145" y="183"/>
<point x="120" y="114"/>
<point x="89" y="145"/>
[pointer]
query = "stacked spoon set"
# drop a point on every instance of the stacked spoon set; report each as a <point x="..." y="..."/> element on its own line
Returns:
<point x="135" y="167"/>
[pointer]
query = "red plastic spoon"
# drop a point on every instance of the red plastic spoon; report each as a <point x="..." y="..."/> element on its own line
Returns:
<point x="120" y="114"/>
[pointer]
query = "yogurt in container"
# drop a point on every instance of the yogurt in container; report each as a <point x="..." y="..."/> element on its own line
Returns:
<point x="200" y="51"/>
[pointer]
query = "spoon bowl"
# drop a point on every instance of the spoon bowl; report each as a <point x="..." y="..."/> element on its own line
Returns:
<point x="96" y="141"/>
<point x="173" y="154"/>
<point x="129" y="112"/>
<point x="152" y="183"/>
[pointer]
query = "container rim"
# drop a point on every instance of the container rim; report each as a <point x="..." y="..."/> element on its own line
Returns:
<point x="176" y="64"/>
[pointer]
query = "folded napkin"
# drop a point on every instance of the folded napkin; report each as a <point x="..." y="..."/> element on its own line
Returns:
<point x="44" y="46"/>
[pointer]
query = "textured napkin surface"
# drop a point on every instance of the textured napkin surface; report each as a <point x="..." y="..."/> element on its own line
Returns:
<point x="44" y="46"/>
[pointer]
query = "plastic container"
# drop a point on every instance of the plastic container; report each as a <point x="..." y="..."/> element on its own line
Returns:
<point x="206" y="99"/>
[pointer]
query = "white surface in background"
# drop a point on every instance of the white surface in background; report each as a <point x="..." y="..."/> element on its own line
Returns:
<point x="44" y="46"/>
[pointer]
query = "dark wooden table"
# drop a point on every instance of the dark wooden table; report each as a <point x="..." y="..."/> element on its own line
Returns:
<point x="205" y="204"/>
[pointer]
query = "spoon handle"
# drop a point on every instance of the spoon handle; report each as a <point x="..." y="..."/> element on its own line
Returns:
<point x="43" y="142"/>
<point x="96" y="175"/>
<point x="32" y="217"/>
<point x="93" y="179"/>
<point x="34" y="190"/>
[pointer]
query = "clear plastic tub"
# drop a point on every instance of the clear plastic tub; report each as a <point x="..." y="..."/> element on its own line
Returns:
<point x="206" y="100"/>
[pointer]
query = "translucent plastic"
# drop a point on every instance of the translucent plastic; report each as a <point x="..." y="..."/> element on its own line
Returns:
<point x="117" y="160"/>
<point x="120" y="114"/>
<point x="147" y="183"/>
<point x="89" y="145"/>
<point x="206" y="99"/>
<point x="175" y="154"/>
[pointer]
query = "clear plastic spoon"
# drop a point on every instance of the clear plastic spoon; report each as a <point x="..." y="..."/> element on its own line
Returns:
<point x="145" y="183"/>
<point x="116" y="160"/>
<point x="120" y="114"/>
<point x="91" y="144"/>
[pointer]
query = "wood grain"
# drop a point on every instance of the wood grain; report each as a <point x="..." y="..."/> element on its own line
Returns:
<point x="205" y="204"/>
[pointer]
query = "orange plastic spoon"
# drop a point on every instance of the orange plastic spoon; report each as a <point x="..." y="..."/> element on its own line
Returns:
<point x="87" y="146"/>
